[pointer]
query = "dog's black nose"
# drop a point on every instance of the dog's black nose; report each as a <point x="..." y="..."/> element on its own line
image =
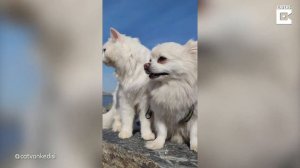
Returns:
<point x="146" y="66"/>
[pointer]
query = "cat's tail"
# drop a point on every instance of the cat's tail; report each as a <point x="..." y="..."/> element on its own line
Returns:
<point x="107" y="118"/>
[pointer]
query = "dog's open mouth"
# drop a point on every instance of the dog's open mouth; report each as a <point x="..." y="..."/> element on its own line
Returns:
<point x="156" y="75"/>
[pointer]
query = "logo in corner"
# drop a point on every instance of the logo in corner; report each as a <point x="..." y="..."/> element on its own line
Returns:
<point x="282" y="15"/>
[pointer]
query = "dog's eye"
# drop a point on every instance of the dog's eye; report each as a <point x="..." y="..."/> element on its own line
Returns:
<point x="150" y="60"/>
<point x="104" y="49"/>
<point x="162" y="59"/>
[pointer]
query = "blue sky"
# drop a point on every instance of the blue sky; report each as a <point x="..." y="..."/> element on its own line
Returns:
<point x="18" y="72"/>
<point x="152" y="21"/>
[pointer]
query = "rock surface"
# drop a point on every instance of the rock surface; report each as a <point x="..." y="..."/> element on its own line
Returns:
<point x="131" y="153"/>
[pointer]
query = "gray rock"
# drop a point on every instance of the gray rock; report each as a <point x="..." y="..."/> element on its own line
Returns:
<point x="131" y="153"/>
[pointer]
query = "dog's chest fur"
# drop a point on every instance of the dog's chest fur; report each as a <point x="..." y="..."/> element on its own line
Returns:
<point x="171" y="101"/>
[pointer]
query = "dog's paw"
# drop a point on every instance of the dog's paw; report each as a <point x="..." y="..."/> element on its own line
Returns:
<point x="148" y="136"/>
<point x="177" y="139"/>
<point x="194" y="147"/>
<point x="156" y="144"/>
<point x="117" y="125"/>
<point x="125" y="134"/>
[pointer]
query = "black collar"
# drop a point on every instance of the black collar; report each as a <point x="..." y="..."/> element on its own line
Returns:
<point x="187" y="118"/>
<point x="189" y="115"/>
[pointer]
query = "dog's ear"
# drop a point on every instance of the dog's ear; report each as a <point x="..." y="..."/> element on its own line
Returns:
<point x="114" y="34"/>
<point x="191" y="47"/>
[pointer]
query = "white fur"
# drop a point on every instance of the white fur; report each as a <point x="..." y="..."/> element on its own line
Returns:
<point x="249" y="80"/>
<point x="172" y="95"/>
<point x="127" y="55"/>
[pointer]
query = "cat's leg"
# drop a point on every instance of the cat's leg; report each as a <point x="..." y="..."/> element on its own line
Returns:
<point x="127" y="117"/>
<point x="160" y="140"/>
<point x="117" y="124"/>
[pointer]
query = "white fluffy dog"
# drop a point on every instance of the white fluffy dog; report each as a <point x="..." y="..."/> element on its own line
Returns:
<point x="173" y="93"/>
<point x="127" y="55"/>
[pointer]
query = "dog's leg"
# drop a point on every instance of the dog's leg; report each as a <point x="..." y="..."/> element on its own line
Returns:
<point x="159" y="142"/>
<point x="146" y="131"/>
<point x="177" y="138"/>
<point x="127" y="118"/>
<point x="193" y="136"/>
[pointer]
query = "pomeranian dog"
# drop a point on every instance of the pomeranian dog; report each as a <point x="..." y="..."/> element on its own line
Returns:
<point x="173" y="93"/>
<point x="127" y="55"/>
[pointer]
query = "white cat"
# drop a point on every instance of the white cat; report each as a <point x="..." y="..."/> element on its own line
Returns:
<point x="127" y="55"/>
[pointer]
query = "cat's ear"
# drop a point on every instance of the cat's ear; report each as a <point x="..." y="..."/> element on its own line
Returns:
<point x="114" y="34"/>
<point x="191" y="47"/>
